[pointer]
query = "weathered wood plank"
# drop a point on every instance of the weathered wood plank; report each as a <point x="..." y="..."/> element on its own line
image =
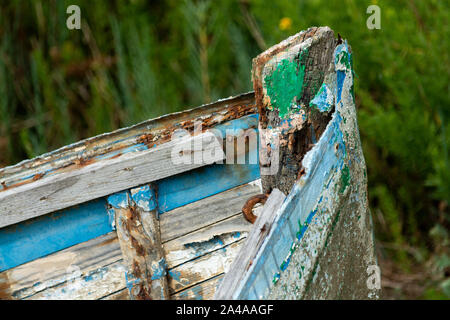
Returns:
<point x="119" y="295"/>
<point x="44" y="235"/>
<point x="196" y="215"/>
<point x="202" y="241"/>
<point x="184" y="188"/>
<point x="38" y="275"/>
<point x="202" y="291"/>
<point x="140" y="242"/>
<point x="206" y="267"/>
<point x="321" y="244"/>
<point x="91" y="286"/>
<point x="101" y="178"/>
<point x="285" y="78"/>
<point x="100" y="282"/>
<point x="135" y="138"/>
<point x="70" y="226"/>
<point x="241" y="264"/>
<point x="55" y="270"/>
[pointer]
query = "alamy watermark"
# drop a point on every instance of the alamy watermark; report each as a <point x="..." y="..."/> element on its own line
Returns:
<point x="74" y="19"/>
<point x="238" y="146"/>
<point x="374" y="20"/>
<point x="374" y="280"/>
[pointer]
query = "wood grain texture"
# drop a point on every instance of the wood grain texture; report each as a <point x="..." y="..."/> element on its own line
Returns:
<point x="75" y="272"/>
<point x="101" y="178"/>
<point x="204" y="240"/>
<point x="90" y="286"/>
<point x="117" y="143"/>
<point x="202" y="291"/>
<point x="203" y="268"/>
<point x="119" y="295"/>
<point x="40" y="236"/>
<point x="321" y="244"/>
<point x="140" y="241"/>
<point x="286" y="77"/>
<point x="56" y="269"/>
<point x="261" y="228"/>
<point x="197" y="215"/>
<point x="44" y="235"/>
<point x="336" y="249"/>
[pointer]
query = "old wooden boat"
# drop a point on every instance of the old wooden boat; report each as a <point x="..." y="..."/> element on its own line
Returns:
<point x="154" y="211"/>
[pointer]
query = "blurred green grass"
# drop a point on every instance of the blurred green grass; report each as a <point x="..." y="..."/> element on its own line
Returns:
<point x="135" y="60"/>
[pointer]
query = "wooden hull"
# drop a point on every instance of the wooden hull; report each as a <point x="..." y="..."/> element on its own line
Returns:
<point x="115" y="217"/>
<point x="74" y="253"/>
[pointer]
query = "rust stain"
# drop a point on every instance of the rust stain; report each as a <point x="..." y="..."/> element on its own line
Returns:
<point x="143" y="293"/>
<point x="249" y="265"/>
<point x="5" y="289"/>
<point x="82" y="162"/>
<point x="155" y="136"/>
<point x="145" y="139"/>
<point x="263" y="229"/>
<point x="140" y="250"/>
<point x="38" y="176"/>
<point x="250" y="203"/>
<point x="116" y="155"/>
<point x="136" y="270"/>
<point x="301" y="173"/>
<point x="233" y="112"/>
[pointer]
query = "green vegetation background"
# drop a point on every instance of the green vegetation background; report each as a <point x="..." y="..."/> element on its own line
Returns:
<point x="135" y="60"/>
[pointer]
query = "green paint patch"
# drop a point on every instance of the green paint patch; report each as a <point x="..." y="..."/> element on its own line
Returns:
<point x="345" y="59"/>
<point x="276" y="277"/>
<point x="285" y="85"/>
<point x="345" y="179"/>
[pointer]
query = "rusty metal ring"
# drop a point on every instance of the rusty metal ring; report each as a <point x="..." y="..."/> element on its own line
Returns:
<point x="250" y="203"/>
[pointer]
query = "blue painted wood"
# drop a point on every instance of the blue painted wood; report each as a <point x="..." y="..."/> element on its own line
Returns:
<point x="195" y="185"/>
<point x="187" y="187"/>
<point x="44" y="235"/>
<point x="50" y="233"/>
<point x="296" y="214"/>
<point x="300" y="207"/>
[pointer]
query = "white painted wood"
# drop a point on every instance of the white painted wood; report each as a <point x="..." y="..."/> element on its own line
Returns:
<point x="202" y="291"/>
<point x="251" y="247"/>
<point x="53" y="270"/>
<point x="213" y="237"/>
<point x="206" y="267"/>
<point x="140" y="242"/>
<point x="99" y="179"/>
<point x="95" y="285"/>
<point x="208" y="211"/>
<point x="111" y="144"/>
<point x="76" y="272"/>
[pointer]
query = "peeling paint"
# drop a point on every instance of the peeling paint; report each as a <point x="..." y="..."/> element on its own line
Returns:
<point x="120" y="200"/>
<point x="324" y="99"/>
<point x="144" y="197"/>
<point x="285" y="85"/>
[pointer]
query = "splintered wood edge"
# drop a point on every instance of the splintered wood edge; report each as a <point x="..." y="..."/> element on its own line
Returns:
<point x="260" y="61"/>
